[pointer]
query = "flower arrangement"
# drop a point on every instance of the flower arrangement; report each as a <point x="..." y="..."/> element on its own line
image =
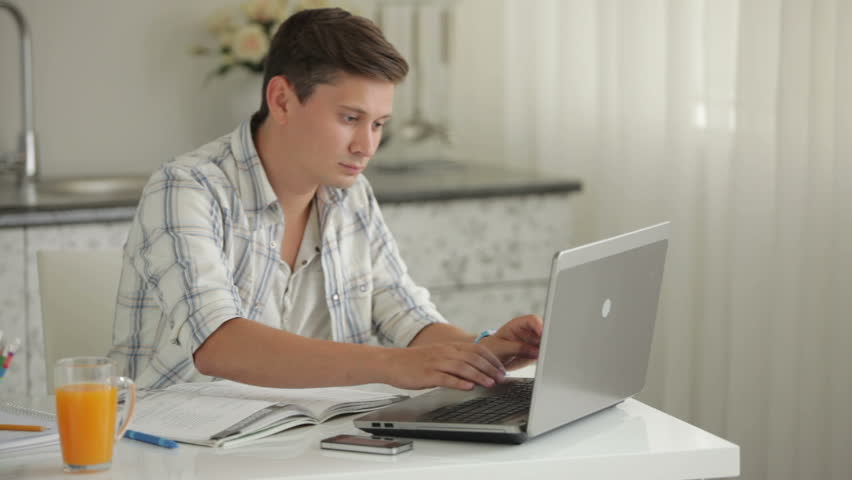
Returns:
<point x="243" y="40"/>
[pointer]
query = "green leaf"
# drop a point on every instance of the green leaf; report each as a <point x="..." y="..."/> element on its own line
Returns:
<point x="218" y="72"/>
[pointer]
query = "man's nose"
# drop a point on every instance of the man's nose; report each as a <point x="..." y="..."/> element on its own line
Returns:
<point x="365" y="142"/>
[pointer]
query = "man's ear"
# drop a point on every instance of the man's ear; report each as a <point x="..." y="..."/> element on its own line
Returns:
<point x="280" y="96"/>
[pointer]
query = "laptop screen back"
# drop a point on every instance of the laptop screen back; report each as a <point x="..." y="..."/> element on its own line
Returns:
<point x="599" y="323"/>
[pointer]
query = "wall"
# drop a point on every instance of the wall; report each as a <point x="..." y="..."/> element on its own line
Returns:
<point x="116" y="90"/>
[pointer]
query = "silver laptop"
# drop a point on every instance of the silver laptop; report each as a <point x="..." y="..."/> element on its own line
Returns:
<point x="598" y="325"/>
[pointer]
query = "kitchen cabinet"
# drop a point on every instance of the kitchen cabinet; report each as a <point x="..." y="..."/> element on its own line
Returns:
<point x="485" y="261"/>
<point x="13" y="304"/>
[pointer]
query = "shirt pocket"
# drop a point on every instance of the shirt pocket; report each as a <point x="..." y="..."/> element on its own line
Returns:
<point x="243" y="263"/>
<point x="358" y="307"/>
<point x="358" y="286"/>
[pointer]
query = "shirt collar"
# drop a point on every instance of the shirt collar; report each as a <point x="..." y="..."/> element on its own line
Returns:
<point x="331" y="195"/>
<point x="255" y="190"/>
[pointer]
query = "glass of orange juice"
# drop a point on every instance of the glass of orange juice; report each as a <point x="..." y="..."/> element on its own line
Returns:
<point x="87" y="399"/>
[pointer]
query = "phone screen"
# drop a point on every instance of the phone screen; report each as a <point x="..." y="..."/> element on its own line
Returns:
<point x="368" y="444"/>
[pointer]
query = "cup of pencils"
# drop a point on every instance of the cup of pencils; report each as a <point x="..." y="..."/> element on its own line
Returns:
<point x="7" y="353"/>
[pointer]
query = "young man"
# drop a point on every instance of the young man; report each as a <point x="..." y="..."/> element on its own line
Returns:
<point x="262" y="257"/>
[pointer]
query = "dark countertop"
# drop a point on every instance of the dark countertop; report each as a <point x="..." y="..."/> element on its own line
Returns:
<point x="462" y="181"/>
<point x="434" y="183"/>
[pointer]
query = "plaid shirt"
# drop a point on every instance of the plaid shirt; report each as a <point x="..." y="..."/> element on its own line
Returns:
<point x="202" y="248"/>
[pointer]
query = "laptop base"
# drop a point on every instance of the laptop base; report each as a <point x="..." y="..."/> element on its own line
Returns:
<point x="489" y="437"/>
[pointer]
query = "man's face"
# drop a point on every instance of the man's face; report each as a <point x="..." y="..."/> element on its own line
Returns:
<point x="337" y="129"/>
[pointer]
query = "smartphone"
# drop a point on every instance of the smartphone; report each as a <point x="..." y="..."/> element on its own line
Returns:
<point x="367" y="444"/>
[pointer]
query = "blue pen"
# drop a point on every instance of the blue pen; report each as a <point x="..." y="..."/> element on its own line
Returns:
<point x="152" y="439"/>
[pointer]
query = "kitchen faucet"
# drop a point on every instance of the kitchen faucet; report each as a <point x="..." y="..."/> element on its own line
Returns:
<point x="23" y="161"/>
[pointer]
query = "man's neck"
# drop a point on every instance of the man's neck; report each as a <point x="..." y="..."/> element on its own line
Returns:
<point x="292" y="187"/>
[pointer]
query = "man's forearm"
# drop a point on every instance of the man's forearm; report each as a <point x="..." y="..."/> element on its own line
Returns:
<point x="249" y="352"/>
<point x="441" y="333"/>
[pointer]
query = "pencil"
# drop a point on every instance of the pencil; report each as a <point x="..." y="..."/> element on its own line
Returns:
<point x="12" y="349"/>
<point x="8" y="360"/>
<point x="22" y="428"/>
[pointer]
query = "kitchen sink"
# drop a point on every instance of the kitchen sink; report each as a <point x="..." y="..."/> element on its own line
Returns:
<point x="72" y="192"/>
<point x="98" y="186"/>
<point x="33" y="193"/>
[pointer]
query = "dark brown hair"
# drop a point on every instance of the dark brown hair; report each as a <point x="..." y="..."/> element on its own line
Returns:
<point x="313" y="46"/>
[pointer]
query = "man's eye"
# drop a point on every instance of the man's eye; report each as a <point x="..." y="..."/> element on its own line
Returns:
<point x="350" y="119"/>
<point x="378" y="125"/>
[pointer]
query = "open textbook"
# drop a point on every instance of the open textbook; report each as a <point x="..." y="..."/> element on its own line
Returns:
<point x="228" y="414"/>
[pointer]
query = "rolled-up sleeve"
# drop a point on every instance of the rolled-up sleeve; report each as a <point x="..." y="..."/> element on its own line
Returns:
<point x="181" y="256"/>
<point x="401" y="308"/>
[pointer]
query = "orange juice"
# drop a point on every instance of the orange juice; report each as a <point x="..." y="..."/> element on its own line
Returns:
<point x="86" y="417"/>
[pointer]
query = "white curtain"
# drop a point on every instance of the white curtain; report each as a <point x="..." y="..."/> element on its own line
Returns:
<point x="733" y="119"/>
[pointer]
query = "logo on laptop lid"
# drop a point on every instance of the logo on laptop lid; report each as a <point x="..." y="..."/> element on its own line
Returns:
<point x="607" y="306"/>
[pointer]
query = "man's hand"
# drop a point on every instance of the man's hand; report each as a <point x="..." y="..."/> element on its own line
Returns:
<point x="455" y="365"/>
<point x="516" y="343"/>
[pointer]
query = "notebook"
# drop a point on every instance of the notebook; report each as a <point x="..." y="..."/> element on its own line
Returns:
<point x="229" y="414"/>
<point x="598" y="324"/>
<point x="14" y="441"/>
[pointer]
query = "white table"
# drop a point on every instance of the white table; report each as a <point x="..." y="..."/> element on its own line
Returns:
<point x="630" y="441"/>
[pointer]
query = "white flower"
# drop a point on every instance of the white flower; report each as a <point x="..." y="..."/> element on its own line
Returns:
<point x="221" y="21"/>
<point x="311" y="4"/>
<point x="250" y="44"/>
<point x="262" y="11"/>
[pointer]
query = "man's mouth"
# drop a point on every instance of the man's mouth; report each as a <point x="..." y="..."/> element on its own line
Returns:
<point x="352" y="167"/>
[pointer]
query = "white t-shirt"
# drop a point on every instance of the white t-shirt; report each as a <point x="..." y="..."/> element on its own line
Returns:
<point x="297" y="302"/>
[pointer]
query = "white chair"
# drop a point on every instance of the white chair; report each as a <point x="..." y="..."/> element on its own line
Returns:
<point x="78" y="290"/>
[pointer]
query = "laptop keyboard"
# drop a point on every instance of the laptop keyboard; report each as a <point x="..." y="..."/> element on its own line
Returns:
<point x="491" y="409"/>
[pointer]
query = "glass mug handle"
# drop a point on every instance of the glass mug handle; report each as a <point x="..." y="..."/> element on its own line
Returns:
<point x="129" y="406"/>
